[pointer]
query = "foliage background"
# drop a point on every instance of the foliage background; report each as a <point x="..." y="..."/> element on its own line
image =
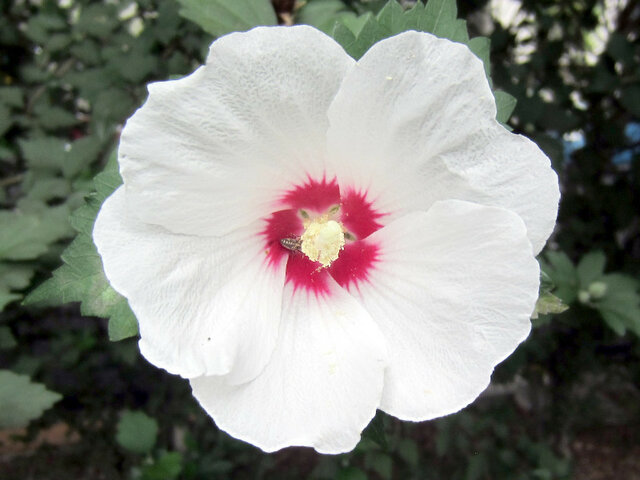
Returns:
<point x="565" y="405"/>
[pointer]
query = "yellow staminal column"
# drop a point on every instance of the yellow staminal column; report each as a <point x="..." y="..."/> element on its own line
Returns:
<point x="322" y="241"/>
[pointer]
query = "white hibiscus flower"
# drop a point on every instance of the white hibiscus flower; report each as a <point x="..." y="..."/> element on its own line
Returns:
<point x="308" y="238"/>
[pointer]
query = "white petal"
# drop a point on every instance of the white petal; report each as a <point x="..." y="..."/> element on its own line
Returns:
<point x="224" y="142"/>
<point x="414" y="122"/>
<point x="204" y="305"/>
<point x="322" y="386"/>
<point x="452" y="293"/>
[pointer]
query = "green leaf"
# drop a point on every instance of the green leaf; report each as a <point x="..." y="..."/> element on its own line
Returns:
<point x="440" y="19"/>
<point x="563" y="274"/>
<point x="7" y="340"/>
<point x="505" y="105"/>
<point x="81" y="278"/>
<point x="167" y="467"/>
<point x="45" y="188"/>
<point x="27" y="235"/>
<point x="219" y="17"/>
<point x="616" y="321"/>
<point x="52" y="117"/>
<point x="135" y="66"/>
<point x="437" y="17"/>
<point x="356" y="46"/>
<point x="80" y="154"/>
<point x="43" y="152"/>
<point x="440" y="13"/>
<point x="546" y="284"/>
<point x="97" y="20"/>
<point x="13" y="277"/>
<point x="136" y="431"/>
<point x="22" y="400"/>
<point x="5" y="119"/>
<point x="112" y="105"/>
<point x="68" y="158"/>
<point x="381" y="464"/>
<point x="58" y="42"/>
<point x="591" y="268"/>
<point x="481" y="47"/>
<point x="86" y="51"/>
<point x="620" y="306"/>
<point x="12" y="96"/>
<point x="392" y="17"/>
<point x="122" y="322"/>
<point x="408" y="451"/>
<point x="548" y="303"/>
<point x="323" y="14"/>
<point x="351" y="473"/>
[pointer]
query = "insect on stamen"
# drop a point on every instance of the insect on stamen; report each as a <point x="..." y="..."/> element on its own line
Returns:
<point x="292" y="243"/>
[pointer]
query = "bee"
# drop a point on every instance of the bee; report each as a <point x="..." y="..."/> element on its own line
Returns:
<point x="292" y="243"/>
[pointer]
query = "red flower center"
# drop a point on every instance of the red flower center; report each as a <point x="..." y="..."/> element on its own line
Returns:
<point x="313" y="199"/>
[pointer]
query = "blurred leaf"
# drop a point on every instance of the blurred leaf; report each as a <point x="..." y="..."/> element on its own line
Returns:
<point x="477" y="467"/>
<point x="22" y="400"/>
<point x="620" y="306"/>
<point x="135" y="65"/>
<point x="136" y="432"/>
<point x="81" y="278"/>
<point x="58" y="42"/>
<point x="7" y="340"/>
<point x="46" y="188"/>
<point x="620" y="48"/>
<point x="112" y="104"/>
<point x="167" y="467"/>
<point x="548" y="303"/>
<point x="86" y="51"/>
<point x="351" y="473"/>
<point x="563" y="273"/>
<point x="13" y="277"/>
<point x="505" y="105"/>
<point x="546" y="283"/>
<point x="97" y="20"/>
<point x="381" y="464"/>
<point x="52" y="117"/>
<point x="5" y="119"/>
<point x="69" y="158"/>
<point x="12" y="97"/>
<point x="27" y="235"/>
<point x="323" y="14"/>
<point x="219" y="17"/>
<point x="80" y="154"/>
<point x="408" y="451"/>
<point x="43" y="152"/>
<point x="590" y="268"/>
<point x="39" y="27"/>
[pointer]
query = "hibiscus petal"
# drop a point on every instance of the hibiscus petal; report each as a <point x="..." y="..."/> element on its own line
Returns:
<point x="423" y="105"/>
<point x="224" y="142"/>
<point x="204" y="305"/>
<point x="452" y="292"/>
<point x="321" y="387"/>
